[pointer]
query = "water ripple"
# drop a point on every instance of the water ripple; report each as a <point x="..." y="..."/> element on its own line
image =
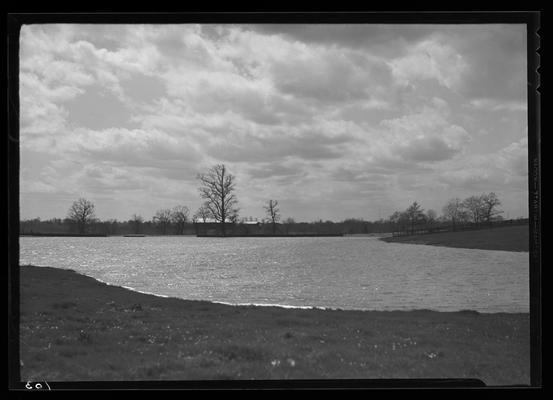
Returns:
<point x="347" y="273"/>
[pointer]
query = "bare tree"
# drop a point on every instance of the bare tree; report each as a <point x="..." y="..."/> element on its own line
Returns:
<point x="217" y="187"/>
<point x="136" y="223"/>
<point x="473" y="205"/>
<point x="490" y="202"/>
<point x="81" y="213"/>
<point x="273" y="212"/>
<point x="162" y="219"/>
<point x="179" y="217"/>
<point x="454" y="211"/>
<point x="202" y="214"/>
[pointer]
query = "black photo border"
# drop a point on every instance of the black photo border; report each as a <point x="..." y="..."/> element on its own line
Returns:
<point x="17" y="19"/>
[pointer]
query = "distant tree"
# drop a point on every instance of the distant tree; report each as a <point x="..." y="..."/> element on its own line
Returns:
<point x="454" y="211"/>
<point x="414" y="214"/>
<point x="353" y="225"/>
<point x="396" y="217"/>
<point x="233" y="217"/>
<point x="217" y="189"/>
<point x="431" y="216"/>
<point x="81" y="213"/>
<point x="474" y="206"/>
<point x="111" y="227"/>
<point x="202" y="214"/>
<point x="288" y="223"/>
<point x="179" y="217"/>
<point x="108" y="227"/>
<point x="162" y="219"/>
<point x="136" y="223"/>
<point x="273" y="213"/>
<point x="398" y="220"/>
<point x="489" y="204"/>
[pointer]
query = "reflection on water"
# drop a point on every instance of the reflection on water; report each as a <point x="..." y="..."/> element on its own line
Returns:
<point x="335" y="272"/>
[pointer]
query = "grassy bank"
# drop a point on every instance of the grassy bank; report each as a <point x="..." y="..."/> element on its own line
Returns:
<point x="76" y="328"/>
<point x="509" y="238"/>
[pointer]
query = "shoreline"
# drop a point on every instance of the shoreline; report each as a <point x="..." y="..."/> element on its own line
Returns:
<point x="279" y="305"/>
<point x="74" y="327"/>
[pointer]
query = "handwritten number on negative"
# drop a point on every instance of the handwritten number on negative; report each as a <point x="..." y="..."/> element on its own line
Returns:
<point x="37" y="385"/>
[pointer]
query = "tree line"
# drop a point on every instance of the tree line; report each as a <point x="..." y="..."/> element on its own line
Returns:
<point x="81" y="219"/>
<point x="220" y="208"/>
<point x="476" y="210"/>
<point x="138" y="225"/>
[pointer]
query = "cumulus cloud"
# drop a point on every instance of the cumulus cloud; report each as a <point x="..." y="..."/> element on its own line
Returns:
<point x="131" y="147"/>
<point x="426" y="136"/>
<point x="497" y="62"/>
<point x="97" y="109"/>
<point x="499" y="105"/>
<point x="514" y="158"/>
<point x="345" y="115"/>
<point x="430" y="59"/>
<point x="381" y="39"/>
<point x="330" y="75"/>
<point x="503" y="170"/>
<point x="306" y="144"/>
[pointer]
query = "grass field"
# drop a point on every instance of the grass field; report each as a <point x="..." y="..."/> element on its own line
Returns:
<point x="509" y="238"/>
<point x="74" y="328"/>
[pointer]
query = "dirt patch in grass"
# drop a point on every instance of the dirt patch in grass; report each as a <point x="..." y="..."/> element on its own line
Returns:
<point x="74" y="328"/>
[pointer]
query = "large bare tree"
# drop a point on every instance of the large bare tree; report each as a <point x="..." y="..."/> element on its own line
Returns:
<point x="273" y="212"/>
<point x="82" y="214"/>
<point x="179" y="217"/>
<point x="217" y="189"/>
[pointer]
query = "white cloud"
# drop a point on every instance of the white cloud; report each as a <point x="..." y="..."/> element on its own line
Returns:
<point x="59" y="93"/>
<point x="379" y="118"/>
<point x="430" y="59"/>
<point x="514" y="158"/>
<point x="130" y="146"/>
<point x="503" y="170"/>
<point x="425" y="136"/>
<point x="499" y="105"/>
<point x="37" y="187"/>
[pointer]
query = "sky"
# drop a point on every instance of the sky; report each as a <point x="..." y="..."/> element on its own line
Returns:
<point x="333" y="121"/>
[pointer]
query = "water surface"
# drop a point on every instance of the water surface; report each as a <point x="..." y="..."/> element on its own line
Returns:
<point x="336" y="272"/>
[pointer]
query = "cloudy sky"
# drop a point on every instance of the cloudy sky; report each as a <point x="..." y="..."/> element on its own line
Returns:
<point x="333" y="121"/>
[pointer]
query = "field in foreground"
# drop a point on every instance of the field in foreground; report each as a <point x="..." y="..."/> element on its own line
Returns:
<point x="509" y="238"/>
<point x="74" y="328"/>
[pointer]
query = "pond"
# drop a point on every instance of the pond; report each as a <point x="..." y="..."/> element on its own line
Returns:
<point x="335" y="272"/>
